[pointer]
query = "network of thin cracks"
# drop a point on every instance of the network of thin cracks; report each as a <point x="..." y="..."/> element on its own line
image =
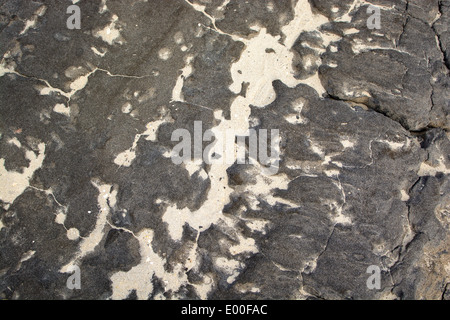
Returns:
<point x="68" y="95"/>
<point x="403" y="247"/>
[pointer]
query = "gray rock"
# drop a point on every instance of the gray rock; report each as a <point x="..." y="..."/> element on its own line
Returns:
<point x="87" y="118"/>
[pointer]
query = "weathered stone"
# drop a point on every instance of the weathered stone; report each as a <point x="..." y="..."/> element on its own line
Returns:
<point x="87" y="123"/>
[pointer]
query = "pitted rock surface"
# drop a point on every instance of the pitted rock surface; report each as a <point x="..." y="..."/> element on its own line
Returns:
<point x="87" y="179"/>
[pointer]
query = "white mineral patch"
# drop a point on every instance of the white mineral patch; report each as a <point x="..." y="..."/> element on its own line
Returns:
<point x="177" y="94"/>
<point x="60" y="218"/>
<point x="395" y="145"/>
<point x="304" y="20"/>
<point x="106" y="200"/>
<point x="265" y="185"/>
<point x="152" y="129"/>
<point x="263" y="60"/>
<point x="296" y="118"/>
<point x="73" y="234"/>
<point x="260" y="68"/>
<point x="151" y="265"/>
<point x="404" y="195"/>
<point x="32" y="22"/>
<point x="298" y="105"/>
<point x="127" y="157"/>
<point x="124" y="282"/>
<point x="97" y="52"/>
<point x="147" y="95"/>
<point x="27" y="255"/>
<point x="347" y="144"/>
<point x="257" y="225"/>
<point x="14" y="141"/>
<point x="12" y="183"/>
<point x="338" y="216"/>
<point x="388" y="296"/>
<point x="332" y="64"/>
<point x="4" y="69"/>
<point x="76" y="85"/>
<point x="43" y="90"/>
<point x="347" y="17"/>
<point x="360" y="46"/>
<point x="223" y="5"/>
<point x="247" y="245"/>
<point x="178" y="37"/>
<point x="202" y="174"/>
<point x="62" y="109"/>
<point x="111" y="33"/>
<point x="431" y="169"/>
<point x="74" y="72"/>
<point x="127" y="107"/>
<point x="293" y="119"/>
<point x="331" y="173"/>
<point x="218" y="114"/>
<point x="164" y="53"/>
<point x="342" y="219"/>
<point x="230" y="267"/>
<point x="351" y="31"/>
<point x="337" y="163"/>
<point x="102" y="8"/>
<point x="205" y="287"/>
<point x="193" y="166"/>
<point x="315" y="147"/>
<point x="315" y="83"/>
<point x="247" y="287"/>
<point x="79" y="83"/>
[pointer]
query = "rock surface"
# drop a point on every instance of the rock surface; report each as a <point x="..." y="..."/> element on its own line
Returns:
<point x="87" y="179"/>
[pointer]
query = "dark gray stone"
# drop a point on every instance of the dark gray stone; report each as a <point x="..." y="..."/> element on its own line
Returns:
<point x="363" y="177"/>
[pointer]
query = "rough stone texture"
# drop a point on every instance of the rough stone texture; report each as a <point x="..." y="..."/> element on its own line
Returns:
<point x="87" y="115"/>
